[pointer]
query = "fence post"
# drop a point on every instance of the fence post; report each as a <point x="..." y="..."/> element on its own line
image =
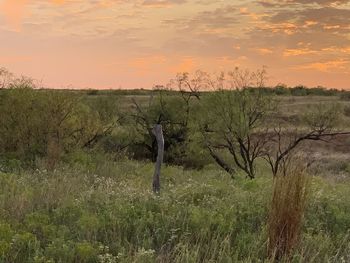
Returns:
<point x="158" y="132"/>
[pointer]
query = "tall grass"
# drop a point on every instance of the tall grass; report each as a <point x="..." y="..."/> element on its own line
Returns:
<point x="290" y="192"/>
<point x="106" y="212"/>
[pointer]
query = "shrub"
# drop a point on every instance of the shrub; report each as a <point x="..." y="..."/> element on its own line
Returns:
<point x="44" y="125"/>
<point x="92" y="92"/>
<point x="347" y="111"/>
<point x="345" y="95"/>
<point x="86" y="253"/>
<point x="299" y="91"/>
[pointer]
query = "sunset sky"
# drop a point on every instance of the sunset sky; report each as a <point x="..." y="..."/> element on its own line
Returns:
<point x="140" y="43"/>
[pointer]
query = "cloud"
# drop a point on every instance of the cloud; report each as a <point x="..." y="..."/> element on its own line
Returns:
<point x="162" y="3"/>
<point x="298" y="52"/>
<point x="264" y="51"/>
<point x="14" y="11"/>
<point x="209" y="22"/>
<point x="321" y="16"/>
<point x="319" y="2"/>
<point x="150" y="38"/>
<point x="321" y="26"/>
<point x="286" y="3"/>
<point x="327" y="66"/>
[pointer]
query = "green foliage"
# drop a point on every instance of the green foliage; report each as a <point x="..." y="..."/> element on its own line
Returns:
<point x="231" y="123"/>
<point x="238" y="111"/>
<point x="39" y="126"/>
<point x="46" y="124"/>
<point x="85" y="252"/>
<point x="175" y="115"/>
<point x="85" y="202"/>
<point x="110" y="215"/>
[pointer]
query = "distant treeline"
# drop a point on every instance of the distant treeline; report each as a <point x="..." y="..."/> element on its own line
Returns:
<point x="301" y="90"/>
<point x="280" y="90"/>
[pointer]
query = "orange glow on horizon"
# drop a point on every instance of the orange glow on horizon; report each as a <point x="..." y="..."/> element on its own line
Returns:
<point x="141" y="43"/>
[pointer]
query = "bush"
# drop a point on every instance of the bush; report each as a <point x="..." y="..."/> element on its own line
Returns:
<point x="46" y="124"/>
<point x="345" y="95"/>
<point x="347" y="111"/>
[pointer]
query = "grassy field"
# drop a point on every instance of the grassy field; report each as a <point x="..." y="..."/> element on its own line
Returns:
<point x="104" y="211"/>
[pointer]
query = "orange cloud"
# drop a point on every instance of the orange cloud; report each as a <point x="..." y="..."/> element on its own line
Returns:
<point x="162" y="3"/>
<point x="332" y="27"/>
<point x="309" y="23"/>
<point x="337" y="64"/>
<point x="287" y="28"/>
<point x="335" y="49"/>
<point x="264" y="51"/>
<point x="58" y="1"/>
<point x="298" y="52"/>
<point x="15" y="10"/>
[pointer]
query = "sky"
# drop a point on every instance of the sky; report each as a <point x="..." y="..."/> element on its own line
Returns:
<point x="142" y="43"/>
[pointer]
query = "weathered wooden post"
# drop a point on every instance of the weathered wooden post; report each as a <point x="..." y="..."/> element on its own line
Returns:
<point x="158" y="132"/>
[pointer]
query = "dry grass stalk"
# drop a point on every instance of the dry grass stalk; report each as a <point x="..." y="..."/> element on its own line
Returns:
<point x="287" y="209"/>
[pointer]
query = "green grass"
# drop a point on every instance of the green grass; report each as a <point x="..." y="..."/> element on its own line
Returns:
<point x="106" y="212"/>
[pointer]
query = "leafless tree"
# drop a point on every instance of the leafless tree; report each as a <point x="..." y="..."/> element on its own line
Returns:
<point x="5" y="78"/>
<point x="320" y="125"/>
<point x="238" y="127"/>
<point x="234" y="119"/>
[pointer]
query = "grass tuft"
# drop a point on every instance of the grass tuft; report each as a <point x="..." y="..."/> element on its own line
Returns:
<point x="287" y="210"/>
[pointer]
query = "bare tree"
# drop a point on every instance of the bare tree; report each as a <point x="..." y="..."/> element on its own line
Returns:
<point x="234" y="119"/>
<point x="5" y="78"/>
<point x="320" y="125"/>
<point x="189" y="88"/>
<point x="238" y="127"/>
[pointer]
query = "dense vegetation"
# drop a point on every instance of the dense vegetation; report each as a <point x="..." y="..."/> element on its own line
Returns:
<point x="106" y="212"/>
<point x="76" y="168"/>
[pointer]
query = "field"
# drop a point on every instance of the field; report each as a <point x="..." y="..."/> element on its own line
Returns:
<point x="80" y="202"/>
<point x="174" y="131"/>
<point x="107" y="213"/>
